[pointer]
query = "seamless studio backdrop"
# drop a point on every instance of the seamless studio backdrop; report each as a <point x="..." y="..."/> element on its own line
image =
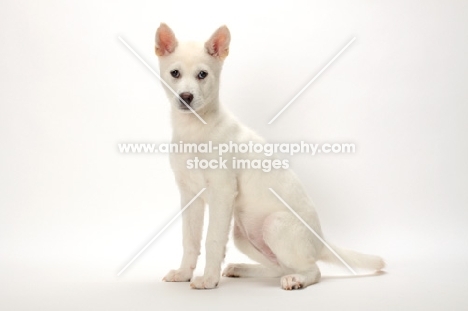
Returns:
<point x="74" y="211"/>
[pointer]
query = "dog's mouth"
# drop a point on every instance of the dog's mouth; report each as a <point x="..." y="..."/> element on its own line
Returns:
<point x="184" y="107"/>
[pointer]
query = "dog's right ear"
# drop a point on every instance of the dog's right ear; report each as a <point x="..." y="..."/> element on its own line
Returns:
<point x="166" y="41"/>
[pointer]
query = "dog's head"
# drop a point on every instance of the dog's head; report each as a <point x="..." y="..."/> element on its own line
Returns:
<point x="191" y="69"/>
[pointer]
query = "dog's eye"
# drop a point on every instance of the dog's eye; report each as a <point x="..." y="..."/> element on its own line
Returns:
<point x="175" y="73"/>
<point x="202" y="75"/>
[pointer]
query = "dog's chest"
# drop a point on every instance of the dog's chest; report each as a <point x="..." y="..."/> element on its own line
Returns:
<point x="192" y="177"/>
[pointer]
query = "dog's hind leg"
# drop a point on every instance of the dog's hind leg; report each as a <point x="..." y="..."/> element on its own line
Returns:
<point x="244" y="270"/>
<point x="296" y="249"/>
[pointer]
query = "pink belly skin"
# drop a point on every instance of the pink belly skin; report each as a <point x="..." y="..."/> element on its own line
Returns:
<point x="255" y="238"/>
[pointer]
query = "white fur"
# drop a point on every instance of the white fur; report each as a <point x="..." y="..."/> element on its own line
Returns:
<point x="263" y="227"/>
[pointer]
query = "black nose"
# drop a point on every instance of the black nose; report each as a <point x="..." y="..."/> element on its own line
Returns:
<point x="186" y="97"/>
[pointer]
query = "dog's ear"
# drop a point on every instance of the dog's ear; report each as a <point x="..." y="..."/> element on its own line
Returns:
<point x="166" y="41"/>
<point x="218" y="44"/>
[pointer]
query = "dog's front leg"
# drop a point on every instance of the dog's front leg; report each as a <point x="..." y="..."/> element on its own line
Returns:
<point x="222" y="194"/>
<point x="192" y="230"/>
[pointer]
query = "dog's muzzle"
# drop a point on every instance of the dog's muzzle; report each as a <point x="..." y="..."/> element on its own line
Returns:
<point x="187" y="98"/>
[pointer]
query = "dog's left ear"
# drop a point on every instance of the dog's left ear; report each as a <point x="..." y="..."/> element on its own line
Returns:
<point x="218" y="45"/>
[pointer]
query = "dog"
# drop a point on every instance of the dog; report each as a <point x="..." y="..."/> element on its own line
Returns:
<point x="263" y="228"/>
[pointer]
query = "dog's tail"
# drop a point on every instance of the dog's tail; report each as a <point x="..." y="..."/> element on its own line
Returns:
<point x="352" y="258"/>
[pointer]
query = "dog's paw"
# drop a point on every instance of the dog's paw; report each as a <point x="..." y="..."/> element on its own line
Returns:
<point x="178" y="275"/>
<point x="292" y="281"/>
<point x="202" y="282"/>
<point x="231" y="271"/>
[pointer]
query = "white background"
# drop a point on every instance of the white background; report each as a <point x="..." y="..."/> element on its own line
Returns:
<point x="73" y="210"/>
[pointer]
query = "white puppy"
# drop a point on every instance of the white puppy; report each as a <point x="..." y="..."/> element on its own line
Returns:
<point x="264" y="229"/>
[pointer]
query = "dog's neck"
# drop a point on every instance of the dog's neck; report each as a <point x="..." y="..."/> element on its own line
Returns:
<point x="187" y="127"/>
